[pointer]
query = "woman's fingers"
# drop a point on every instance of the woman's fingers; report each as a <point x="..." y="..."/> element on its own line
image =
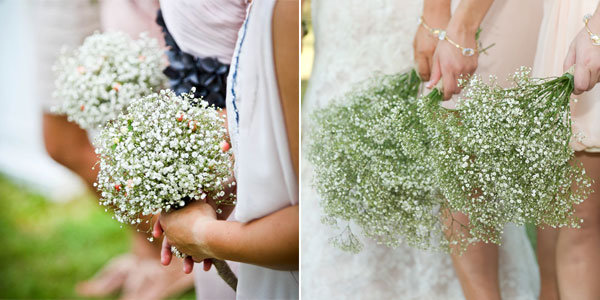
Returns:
<point x="582" y="79"/>
<point x="207" y="264"/>
<point x="423" y="67"/>
<point x="449" y="85"/>
<point x="157" y="229"/>
<point x="165" y="252"/>
<point x="436" y="74"/>
<point x="188" y="265"/>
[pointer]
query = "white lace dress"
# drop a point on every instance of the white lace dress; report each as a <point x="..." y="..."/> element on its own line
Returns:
<point x="355" y="40"/>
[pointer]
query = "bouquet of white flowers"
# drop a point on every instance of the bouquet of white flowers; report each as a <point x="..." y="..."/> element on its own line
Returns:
<point x="503" y="155"/>
<point x="97" y="81"/>
<point x="399" y="165"/>
<point x="371" y="166"/>
<point x="161" y="155"/>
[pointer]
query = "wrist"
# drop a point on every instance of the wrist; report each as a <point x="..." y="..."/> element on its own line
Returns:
<point x="463" y="34"/>
<point x="437" y="13"/>
<point x="205" y="233"/>
<point x="464" y="24"/>
<point x="594" y="22"/>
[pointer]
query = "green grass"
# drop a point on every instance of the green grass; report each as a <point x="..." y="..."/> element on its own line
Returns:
<point x="46" y="248"/>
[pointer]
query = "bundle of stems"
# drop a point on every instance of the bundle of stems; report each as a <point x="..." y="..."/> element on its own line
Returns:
<point x="503" y="155"/>
<point x="399" y="165"/>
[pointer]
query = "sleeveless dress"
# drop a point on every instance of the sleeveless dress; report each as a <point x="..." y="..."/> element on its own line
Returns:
<point x="353" y="42"/>
<point x="266" y="181"/>
<point x="202" y="36"/>
<point x="563" y="19"/>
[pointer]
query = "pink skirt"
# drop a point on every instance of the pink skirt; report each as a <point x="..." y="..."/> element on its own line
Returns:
<point x="563" y="19"/>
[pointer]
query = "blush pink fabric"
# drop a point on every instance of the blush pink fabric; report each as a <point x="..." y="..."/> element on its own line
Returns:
<point x="131" y="16"/>
<point x="205" y="28"/>
<point x="563" y="19"/>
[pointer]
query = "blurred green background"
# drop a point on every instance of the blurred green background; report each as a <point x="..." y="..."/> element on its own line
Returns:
<point x="47" y="247"/>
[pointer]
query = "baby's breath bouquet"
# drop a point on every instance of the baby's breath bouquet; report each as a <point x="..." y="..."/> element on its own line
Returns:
<point x="161" y="155"/>
<point x="371" y="165"/>
<point x="96" y="81"/>
<point x="503" y="155"/>
<point x="399" y="165"/>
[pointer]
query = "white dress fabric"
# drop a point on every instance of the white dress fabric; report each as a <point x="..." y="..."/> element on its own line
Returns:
<point x="266" y="181"/>
<point x="354" y="41"/>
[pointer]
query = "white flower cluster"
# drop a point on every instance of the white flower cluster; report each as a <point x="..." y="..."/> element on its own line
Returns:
<point x="399" y="165"/>
<point x="371" y="169"/>
<point x="162" y="154"/>
<point x="97" y="81"/>
<point x="503" y="156"/>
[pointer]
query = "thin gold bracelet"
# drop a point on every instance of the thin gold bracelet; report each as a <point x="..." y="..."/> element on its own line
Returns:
<point x="594" y="37"/>
<point x="441" y="35"/>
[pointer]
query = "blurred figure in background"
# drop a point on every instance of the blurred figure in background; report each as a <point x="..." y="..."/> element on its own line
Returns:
<point x="60" y="23"/>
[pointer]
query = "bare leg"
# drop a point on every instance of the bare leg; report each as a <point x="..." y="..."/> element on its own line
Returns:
<point x="477" y="268"/>
<point x="68" y="145"/>
<point x="578" y="250"/>
<point x="546" y="254"/>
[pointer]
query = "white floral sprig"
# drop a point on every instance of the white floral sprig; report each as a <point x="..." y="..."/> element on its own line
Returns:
<point x="371" y="166"/>
<point x="162" y="154"/>
<point x="503" y="155"/>
<point x="97" y="81"/>
<point x="399" y="166"/>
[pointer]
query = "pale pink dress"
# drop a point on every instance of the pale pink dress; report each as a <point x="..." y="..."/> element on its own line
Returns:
<point x="561" y="23"/>
<point x="512" y="26"/>
<point x="205" y="28"/>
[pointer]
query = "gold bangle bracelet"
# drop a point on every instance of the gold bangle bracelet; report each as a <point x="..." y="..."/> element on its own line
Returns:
<point x="441" y="35"/>
<point x="594" y="37"/>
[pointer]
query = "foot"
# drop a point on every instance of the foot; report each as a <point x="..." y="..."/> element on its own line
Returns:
<point x="109" y="279"/>
<point x="153" y="281"/>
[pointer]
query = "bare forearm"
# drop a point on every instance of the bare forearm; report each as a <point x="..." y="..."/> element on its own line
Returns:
<point x="469" y="14"/>
<point x="436" y="9"/>
<point x="271" y="241"/>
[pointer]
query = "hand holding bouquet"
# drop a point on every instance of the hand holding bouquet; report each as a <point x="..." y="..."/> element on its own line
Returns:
<point x="163" y="154"/>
